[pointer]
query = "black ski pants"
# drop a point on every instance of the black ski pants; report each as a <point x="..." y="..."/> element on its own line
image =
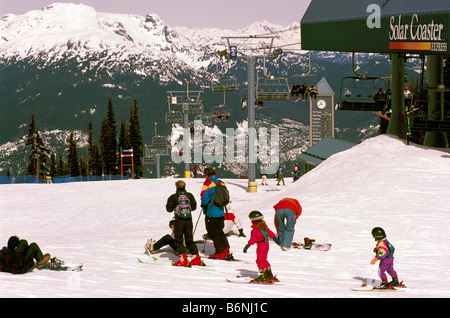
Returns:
<point x="214" y="227"/>
<point x="183" y="231"/>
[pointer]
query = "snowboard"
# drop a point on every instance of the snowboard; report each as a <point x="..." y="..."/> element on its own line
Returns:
<point x="314" y="247"/>
<point x="57" y="265"/>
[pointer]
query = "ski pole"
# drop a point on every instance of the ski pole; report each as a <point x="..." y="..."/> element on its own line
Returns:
<point x="198" y="219"/>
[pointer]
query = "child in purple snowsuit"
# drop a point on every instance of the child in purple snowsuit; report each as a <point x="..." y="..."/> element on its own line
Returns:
<point x="260" y="235"/>
<point x="384" y="252"/>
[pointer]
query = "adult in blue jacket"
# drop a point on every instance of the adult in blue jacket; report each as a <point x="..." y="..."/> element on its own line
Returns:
<point x="214" y="215"/>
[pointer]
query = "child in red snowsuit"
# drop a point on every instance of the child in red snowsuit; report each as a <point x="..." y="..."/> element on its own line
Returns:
<point x="260" y="235"/>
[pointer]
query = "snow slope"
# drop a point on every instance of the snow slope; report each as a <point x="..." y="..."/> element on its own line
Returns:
<point x="104" y="225"/>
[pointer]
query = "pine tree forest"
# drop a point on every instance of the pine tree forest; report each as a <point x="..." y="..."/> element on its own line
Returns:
<point x="99" y="159"/>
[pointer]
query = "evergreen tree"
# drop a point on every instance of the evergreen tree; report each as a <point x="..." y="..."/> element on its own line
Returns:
<point x="124" y="136"/>
<point x="96" y="167"/>
<point x="60" y="168"/>
<point x="72" y="157"/>
<point x="108" y="142"/>
<point x="90" y="147"/>
<point x="136" y="141"/>
<point x="38" y="152"/>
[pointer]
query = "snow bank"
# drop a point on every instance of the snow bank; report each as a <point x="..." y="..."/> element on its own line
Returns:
<point x="104" y="225"/>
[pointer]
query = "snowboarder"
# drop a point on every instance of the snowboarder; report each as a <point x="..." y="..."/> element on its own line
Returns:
<point x="182" y="203"/>
<point x="260" y="235"/>
<point x="214" y="215"/>
<point x="384" y="252"/>
<point x="232" y="220"/>
<point x="287" y="211"/>
<point x="18" y="257"/>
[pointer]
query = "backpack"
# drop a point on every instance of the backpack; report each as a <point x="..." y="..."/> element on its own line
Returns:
<point x="183" y="209"/>
<point x="221" y="196"/>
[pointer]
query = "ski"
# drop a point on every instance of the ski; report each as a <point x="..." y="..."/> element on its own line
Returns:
<point x="376" y="289"/>
<point x="230" y="259"/>
<point x="157" y="261"/>
<point x="247" y="280"/>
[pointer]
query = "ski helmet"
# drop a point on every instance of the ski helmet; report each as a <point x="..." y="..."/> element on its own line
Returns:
<point x="378" y="233"/>
<point x="255" y="216"/>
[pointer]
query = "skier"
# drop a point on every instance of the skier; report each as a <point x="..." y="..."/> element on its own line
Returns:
<point x="384" y="252"/>
<point x="287" y="211"/>
<point x="18" y="257"/>
<point x="214" y="215"/>
<point x="182" y="203"/>
<point x="152" y="246"/>
<point x="260" y="235"/>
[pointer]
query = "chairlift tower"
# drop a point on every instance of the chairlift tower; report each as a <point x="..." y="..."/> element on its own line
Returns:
<point x="191" y="104"/>
<point x="251" y="59"/>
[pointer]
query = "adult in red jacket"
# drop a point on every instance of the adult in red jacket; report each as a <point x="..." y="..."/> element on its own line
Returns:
<point x="287" y="212"/>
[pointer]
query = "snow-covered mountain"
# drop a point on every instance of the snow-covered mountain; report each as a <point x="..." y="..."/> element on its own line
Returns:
<point x="62" y="31"/>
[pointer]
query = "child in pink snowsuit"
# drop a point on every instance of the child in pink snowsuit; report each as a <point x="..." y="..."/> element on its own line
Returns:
<point x="260" y="235"/>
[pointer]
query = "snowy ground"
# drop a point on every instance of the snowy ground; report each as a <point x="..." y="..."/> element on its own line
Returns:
<point x="104" y="225"/>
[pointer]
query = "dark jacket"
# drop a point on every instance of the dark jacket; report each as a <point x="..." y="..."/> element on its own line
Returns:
<point x="172" y="201"/>
<point x="14" y="262"/>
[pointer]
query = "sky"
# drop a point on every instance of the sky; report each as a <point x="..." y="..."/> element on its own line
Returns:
<point x="226" y="14"/>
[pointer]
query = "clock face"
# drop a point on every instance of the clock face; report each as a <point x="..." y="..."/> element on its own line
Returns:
<point x="321" y="104"/>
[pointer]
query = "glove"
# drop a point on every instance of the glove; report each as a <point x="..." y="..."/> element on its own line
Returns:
<point x="241" y="233"/>
<point x="246" y="248"/>
<point x="276" y="239"/>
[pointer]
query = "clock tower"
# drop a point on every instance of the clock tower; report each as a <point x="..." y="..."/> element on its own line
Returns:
<point x="321" y="113"/>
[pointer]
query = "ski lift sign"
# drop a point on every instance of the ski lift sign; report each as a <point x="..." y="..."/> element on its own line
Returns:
<point x="233" y="51"/>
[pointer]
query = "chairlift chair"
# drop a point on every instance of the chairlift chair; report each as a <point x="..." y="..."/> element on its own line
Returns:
<point x="174" y="117"/>
<point x="221" y="112"/>
<point x="301" y="80"/>
<point x="269" y="89"/>
<point x="361" y="94"/>
<point x="159" y="141"/>
<point x="150" y="160"/>
<point x="192" y="107"/>
<point x="223" y="83"/>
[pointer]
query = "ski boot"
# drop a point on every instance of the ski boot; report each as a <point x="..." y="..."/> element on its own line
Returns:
<point x="196" y="261"/>
<point x="182" y="261"/>
<point x="385" y="285"/>
<point x="44" y="260"/>
<point x="262" y="278"/>
<point x="308" y="243"/>
<point x="149" y="249"/>
<point x="271" y="277"/>
<point x="396" y="283"/>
